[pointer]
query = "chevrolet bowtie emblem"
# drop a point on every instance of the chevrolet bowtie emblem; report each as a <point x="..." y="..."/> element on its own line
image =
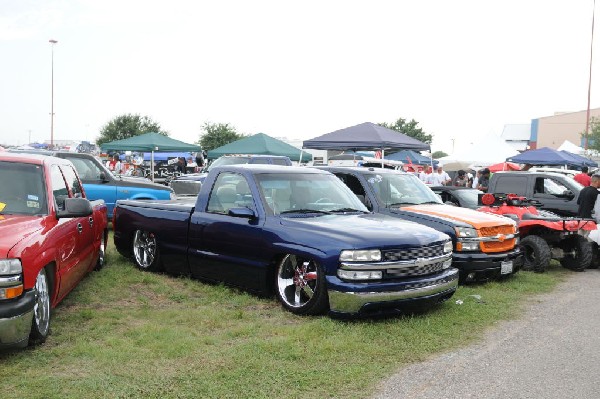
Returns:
<point x="501" y="237"/>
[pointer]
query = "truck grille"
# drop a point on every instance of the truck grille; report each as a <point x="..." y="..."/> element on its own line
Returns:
<point x="413" y="253"/>
<point x="494" y="230"/>
<point x="497" y="246"/>
<point x="415" y="270"/>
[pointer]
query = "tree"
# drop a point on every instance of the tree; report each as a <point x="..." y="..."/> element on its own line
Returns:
<point x="594" y="135"/>
<point x="126" y="126"/>
<point x="410" y="129"/>
<point x="217" y="134"/>
<point x="438" y="154"/>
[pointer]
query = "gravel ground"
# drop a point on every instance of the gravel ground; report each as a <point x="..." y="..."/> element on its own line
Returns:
<point x="553" y="351"/>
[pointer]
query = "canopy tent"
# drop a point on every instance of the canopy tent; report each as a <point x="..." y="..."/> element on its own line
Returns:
<point x="260" y="144"/>
<point x="149" y="142"/>
<point x="570" y="147"/>
<point x="366" y="136"/>
<point x="487" y="151"/>
<point x="497" y="167"/>
<point x="162" y="156"/>
<point x="410" y="156"/>
<point x="549" y="156"/>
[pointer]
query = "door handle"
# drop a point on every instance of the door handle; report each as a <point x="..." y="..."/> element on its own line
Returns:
<point x="91" y="220"/>
<point x="79" y="228"/>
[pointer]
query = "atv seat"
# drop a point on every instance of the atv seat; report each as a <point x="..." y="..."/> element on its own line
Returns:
<point x="531" y="216"/>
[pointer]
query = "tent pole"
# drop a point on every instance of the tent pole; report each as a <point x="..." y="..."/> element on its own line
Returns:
<point x="300" y="159"/>
<point x="382" y="156"/>
<point x="152" y="165"/>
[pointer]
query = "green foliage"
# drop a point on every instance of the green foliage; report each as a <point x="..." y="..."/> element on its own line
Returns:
<point x="438" y="154"/>
<point x="126" y="333"/>
<point x="126" y="126"/>
<point x="217" y="134"/>
<point x="410" y="129"/>
<point x="594" y="134"/>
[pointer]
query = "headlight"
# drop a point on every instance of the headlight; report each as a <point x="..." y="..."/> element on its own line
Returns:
<point x="448" y="247"/>
<point x="11" y="280"/>
<point x="368" y="255"/>
<point x="172" y="195"/>
<point x="10" y="266"/>
<point x="467" y="232"/>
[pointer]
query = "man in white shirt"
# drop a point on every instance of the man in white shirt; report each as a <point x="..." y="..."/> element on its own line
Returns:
<point x="424" y="174"/>
<point x="438" y="178"/>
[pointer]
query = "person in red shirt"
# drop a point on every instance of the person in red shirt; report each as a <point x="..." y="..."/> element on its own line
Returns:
<point x="583" y="178"/>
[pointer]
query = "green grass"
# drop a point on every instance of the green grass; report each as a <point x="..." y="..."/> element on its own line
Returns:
<point x="124" y="333"/>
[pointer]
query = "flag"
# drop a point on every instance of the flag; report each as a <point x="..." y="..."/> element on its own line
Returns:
<point x="378" y="154"/>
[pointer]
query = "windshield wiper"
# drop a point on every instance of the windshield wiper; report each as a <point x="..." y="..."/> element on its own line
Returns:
<point x="343" y="210"/>
<point x="404" y="203"/>
<point x="305" y="211"/>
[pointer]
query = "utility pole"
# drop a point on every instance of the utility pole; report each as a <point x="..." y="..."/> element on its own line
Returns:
<point x="52" y="42"/>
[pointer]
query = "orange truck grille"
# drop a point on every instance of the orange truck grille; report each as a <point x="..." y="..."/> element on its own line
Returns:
<point x="502" y="244"/>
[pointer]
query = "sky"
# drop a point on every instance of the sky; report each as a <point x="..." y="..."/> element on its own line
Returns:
<point x="462" y="69"/>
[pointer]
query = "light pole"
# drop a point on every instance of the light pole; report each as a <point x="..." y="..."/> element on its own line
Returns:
<point x="52" y="42"/>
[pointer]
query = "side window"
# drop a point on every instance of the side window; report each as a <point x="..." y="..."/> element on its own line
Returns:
<point x="230" y="190"/>
<point x="263" y="161"/>
<point x="511" y="184"/>
<point x="279" y="161"/>
<point x="86" y="168"/>
<point x="72" y="181"/>
<point x="59" y="187"/>
<point x="550" y="187"/>
<point x="356" y="187"/>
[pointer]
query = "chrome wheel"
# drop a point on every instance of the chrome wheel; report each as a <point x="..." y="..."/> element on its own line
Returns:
<point x="145" y="250"/>
<point x="41" y="309"/>
<point x="300" y="285"/>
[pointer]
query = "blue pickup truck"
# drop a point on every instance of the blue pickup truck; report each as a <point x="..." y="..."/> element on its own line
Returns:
<point x="485" y="245"/>
<point x="100" y="183"/>
<point x="297" y="232"/>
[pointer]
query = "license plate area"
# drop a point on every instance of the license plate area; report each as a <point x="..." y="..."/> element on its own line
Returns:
<point x="506" y="267"/>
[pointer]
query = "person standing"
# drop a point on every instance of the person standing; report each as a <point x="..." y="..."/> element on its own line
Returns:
<point x="439" y="177"/>
<point x="587" y="198"/>
<point x="475" y="182"/>
<point x="425" y="173"/>
<point x="583" y="178"/>
<point x="461" y="179"/>
<point x="484" y="180"/>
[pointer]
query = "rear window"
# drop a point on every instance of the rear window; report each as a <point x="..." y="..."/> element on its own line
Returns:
<point x="511" y="184"/>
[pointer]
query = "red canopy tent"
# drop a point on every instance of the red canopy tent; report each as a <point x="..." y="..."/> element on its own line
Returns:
<point x="498" y="167"/>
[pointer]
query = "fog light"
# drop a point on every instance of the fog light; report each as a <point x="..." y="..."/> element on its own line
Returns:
<point x="467" y="246"/>
<point x="360" y="275"/>
<point x="471" y="276"/>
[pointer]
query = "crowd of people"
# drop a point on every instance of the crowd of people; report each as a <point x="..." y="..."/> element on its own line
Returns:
<point x="438" y="177"/>
<point x="129" y="164"/>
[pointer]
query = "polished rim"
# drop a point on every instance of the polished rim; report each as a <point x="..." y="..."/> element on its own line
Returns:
<point x="41" y="309"/>
<point x="296" y="281"/>
<point x="144" y="248"/>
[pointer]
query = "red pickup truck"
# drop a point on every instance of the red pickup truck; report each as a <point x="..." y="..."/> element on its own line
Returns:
<point x="51" y="236"/>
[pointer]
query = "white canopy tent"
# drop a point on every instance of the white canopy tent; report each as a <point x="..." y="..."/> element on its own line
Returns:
<point x="487" y="151"/>
<point x="572" y="148"/>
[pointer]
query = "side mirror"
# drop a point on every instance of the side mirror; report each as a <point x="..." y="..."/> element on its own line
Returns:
<point x="75" y="208"/>
<point x="241" y="213"/>
<point x="568" y="194"/>
<point x="103" y="177"/>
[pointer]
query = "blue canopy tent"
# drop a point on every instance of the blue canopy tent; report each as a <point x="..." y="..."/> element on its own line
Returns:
<point x="409" y="156"/>
<point x="549" y="156"/>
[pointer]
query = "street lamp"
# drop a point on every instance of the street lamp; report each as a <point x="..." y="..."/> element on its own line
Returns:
<point x="52" y="42"/>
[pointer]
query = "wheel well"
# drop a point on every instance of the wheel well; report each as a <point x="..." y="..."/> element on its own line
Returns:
<point x="51" y="274"/>
<point x="271" y="273"/>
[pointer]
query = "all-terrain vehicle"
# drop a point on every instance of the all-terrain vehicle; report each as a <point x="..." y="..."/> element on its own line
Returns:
<point x="544" y="235"/>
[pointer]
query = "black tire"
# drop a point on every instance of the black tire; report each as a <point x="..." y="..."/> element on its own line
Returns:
<point x="40" y="325"/>
<point x="595" y="256"/>
<point x="145" y="251"/>
<point x="577" y="253"/>
<point x="300" y="286"/>
<point x="536" y="254"/>
<point x="101" y="262"/>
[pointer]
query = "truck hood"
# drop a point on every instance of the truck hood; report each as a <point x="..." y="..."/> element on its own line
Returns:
<point x="366" y="231"/>
<point x="458" y="215"/>
<point x="14" y="228"/>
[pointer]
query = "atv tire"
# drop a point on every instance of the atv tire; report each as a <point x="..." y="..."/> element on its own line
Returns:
<point x="578" y="253"/>
<point x="536" y="253"/>
<point x="595" y="256"/>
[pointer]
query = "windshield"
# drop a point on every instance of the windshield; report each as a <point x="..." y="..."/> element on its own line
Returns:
<point x="294" y="193"/>
<point x="22" y="189"/>
<point x="399" y="189"/>
<point x="227" y="161"/>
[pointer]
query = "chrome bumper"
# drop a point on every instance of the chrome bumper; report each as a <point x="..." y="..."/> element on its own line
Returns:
<point x="14" y="331"/>
<point x="352" y="302"/>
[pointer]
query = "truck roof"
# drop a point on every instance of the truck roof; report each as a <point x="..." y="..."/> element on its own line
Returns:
<point x="37" y="159"/>
<point x="361" y="169"/>
<point x="263" y="168"/>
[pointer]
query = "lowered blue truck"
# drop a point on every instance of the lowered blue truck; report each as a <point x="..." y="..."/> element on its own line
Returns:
<point x="297" y="232"/>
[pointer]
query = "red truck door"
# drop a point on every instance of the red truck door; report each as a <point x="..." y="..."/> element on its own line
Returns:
<point x="74" y="237"/>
